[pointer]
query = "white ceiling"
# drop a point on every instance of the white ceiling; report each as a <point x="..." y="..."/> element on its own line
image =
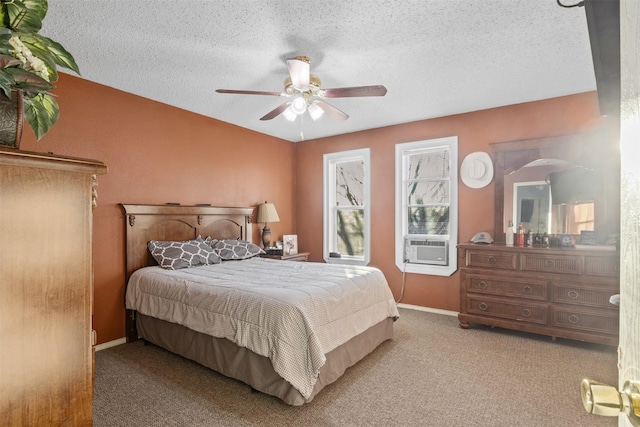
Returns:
<point x="435" y="57"/>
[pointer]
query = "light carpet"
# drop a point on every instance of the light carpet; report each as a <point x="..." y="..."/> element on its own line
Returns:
<point x="433" y="373"/>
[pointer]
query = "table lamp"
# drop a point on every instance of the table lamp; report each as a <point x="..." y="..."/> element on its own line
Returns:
<point x="267" y="213"/>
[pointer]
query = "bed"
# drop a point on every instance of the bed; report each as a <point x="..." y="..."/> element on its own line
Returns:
<point x="287" y="329"/>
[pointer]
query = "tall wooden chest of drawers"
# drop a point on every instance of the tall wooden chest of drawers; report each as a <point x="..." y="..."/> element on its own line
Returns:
<point x="46" y="288"/>
<point x="556" y="292"/>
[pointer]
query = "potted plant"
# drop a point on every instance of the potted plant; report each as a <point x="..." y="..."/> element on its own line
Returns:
<point x="28" y="62"/>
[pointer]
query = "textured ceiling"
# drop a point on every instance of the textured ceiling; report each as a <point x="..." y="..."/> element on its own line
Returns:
<point x="435" y="57"/>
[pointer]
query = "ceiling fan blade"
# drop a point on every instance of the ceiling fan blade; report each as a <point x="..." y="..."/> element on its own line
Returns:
<point x="299" y="72"/>
<point x="250" y="92"/>
<point x="276" y="111"/>
<point x="347" y="92"/>
<point x="331" y="111"/>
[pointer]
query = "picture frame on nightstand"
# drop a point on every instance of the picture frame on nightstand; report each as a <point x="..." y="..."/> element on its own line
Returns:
<point x="290" y="244"/>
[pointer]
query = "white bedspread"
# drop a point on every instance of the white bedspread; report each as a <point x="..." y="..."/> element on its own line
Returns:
<point x="291" y="312"/>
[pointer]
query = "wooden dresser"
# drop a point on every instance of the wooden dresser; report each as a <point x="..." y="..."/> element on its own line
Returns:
<point x="46" y="288"/>
<point x="556" y="292"/>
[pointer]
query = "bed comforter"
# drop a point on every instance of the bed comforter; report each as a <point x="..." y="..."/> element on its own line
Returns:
<point x="291" y="312"/>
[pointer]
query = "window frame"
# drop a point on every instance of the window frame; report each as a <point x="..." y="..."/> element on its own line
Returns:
<point x="402" y="152"/>
<point x="329" y="204"/>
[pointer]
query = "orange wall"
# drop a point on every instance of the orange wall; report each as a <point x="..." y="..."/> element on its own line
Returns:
<point x="475" y="132"/>
<point x="157" y="154"/>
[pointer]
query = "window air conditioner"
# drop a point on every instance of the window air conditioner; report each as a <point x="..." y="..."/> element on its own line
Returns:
<point x="424" y="251"/>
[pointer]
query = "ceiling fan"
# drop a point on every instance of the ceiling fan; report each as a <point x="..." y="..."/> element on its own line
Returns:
<point x="307" y="95"/>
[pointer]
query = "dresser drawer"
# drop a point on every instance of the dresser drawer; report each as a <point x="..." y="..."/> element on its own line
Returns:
<point x="507" y="309"/>
<point x="597" y="321"/>
<point x="481" y="258"/>
<point x="569" y="294"/>
<point x="602" y="266"/>
<point x="529" y="288"/>
<point x="569" y="264"/>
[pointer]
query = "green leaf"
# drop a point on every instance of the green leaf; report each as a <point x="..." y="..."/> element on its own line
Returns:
<point x="6" y="83"/>
<point x="28" y="82"/>
<point x="38" y="46"/>
<point x="26" y="17"/>
<point x="4" y="15"/>
<point x="8" y="61"/>
<point x="5" y="46"/>
<point x="41" y="113"/>
<point x="40" y="7"/>
<point x="62" y="56"/>
<point x="50" y="52"/>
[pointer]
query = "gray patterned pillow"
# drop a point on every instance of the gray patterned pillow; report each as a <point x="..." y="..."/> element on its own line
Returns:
<point x="235" y="249"/>
<point x="189" y="253"/>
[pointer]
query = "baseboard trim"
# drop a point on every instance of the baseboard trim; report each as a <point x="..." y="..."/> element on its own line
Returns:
<point x="428" y="309"/>
<point x="106" y="345"/>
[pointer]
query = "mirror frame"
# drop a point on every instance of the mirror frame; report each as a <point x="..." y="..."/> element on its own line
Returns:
<point x="591" y="150"/>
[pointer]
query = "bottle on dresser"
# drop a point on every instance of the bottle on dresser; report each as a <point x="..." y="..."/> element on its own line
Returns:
<point x="520" y="236"/>
<point x="509" y="237"/>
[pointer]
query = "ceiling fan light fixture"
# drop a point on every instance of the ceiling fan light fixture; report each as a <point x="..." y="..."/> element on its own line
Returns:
<point x="299" y="105"/>
<point x="302" y="88"/>
<point x="314" y="111"/>
<point x="289" y="114"/>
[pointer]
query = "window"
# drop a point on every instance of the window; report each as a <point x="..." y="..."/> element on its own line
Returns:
<point x="427" y="206"/>
<point x="346" y="207"/>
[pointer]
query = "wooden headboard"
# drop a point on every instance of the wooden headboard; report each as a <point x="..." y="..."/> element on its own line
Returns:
<point x="170" y="222"/>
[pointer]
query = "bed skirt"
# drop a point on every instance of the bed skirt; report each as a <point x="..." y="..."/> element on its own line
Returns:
<point x="240" y="363"/>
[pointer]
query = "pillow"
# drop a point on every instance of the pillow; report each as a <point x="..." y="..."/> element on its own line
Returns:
<point x="209" y="241"/>
<point x="235" y="249"/>
<point x="189" y="253"/>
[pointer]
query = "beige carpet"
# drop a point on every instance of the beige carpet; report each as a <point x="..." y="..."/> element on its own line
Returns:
<point x="432" y="374"/>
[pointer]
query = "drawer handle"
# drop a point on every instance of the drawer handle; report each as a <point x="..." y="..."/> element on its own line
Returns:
<point x="482" y="285"/>
<point x="525" y="312"/>
<point x="483" y="306"/>
<point x="492" y="259"/>
<point x="573" y="294"/>
<point x="574" y="319"/>
<point x="527" y="289"/>
<point x="550" y="263"/>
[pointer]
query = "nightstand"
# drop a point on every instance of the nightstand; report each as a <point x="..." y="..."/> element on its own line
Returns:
<point x="300" y="257"/>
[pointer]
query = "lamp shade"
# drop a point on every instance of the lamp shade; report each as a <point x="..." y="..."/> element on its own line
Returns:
<point x="299" y="105"/>
<point x="289" y="115"/>
<point x="314" y="111"/>
<point x="267" y="213"/>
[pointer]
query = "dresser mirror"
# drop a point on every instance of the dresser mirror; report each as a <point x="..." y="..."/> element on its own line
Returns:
<point x="552" y="196"/>
<point x="557" y="185"/>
